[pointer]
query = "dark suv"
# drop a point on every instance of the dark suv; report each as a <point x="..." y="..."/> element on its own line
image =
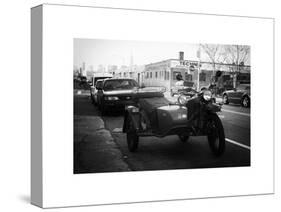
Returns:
<point x="240" y="95"/>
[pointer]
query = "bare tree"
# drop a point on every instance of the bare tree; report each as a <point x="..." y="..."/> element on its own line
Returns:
<point x="215" y="54"/>
<point x="237" y="55"/>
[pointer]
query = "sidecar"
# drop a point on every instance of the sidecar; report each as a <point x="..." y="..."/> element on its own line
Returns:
<point x="153" y="115"/>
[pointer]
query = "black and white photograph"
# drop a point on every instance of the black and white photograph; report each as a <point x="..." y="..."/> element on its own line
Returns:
<point x="144" y="105"/>
<point x="150" y="105"/>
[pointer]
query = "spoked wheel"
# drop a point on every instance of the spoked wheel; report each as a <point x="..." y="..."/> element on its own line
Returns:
<point x="246" y="101"/>
<point x="216" y="137"/>
<point x="183" y="138"/>
<point x="132" y="137"/>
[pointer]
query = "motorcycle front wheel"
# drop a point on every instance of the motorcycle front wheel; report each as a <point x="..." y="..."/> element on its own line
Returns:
<point x="216" y="137"/>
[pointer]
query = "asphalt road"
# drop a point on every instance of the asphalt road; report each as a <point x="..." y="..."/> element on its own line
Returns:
<point x="169" y="152"/>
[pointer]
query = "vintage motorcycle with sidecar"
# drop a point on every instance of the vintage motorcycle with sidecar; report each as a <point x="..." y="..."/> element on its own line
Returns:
<point x="153" y="115"/>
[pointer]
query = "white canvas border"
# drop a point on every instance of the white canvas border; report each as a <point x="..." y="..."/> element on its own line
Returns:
<point x="62" y="188"/>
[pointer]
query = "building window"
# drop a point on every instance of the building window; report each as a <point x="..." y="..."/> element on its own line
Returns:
<point x="156" y="74"/>
<point x="202" y="77"/>
<point x="150" y="74"/>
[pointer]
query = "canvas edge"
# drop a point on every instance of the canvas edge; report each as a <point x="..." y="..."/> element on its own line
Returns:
<point x="36" y="105"/>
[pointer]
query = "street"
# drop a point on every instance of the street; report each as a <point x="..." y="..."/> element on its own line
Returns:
<point x="100" y="145"/>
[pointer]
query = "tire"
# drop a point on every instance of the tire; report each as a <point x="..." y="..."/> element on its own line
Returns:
<point x="132" y="137"/>
<point x="183" y="138"/>
<point x="225" y="99"/>
<point x="245" y="101"/>
<point x="216" y="137"/>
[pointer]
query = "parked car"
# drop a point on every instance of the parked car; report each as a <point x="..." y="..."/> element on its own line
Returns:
<point x="115" y="93"/>
<point x="240" y="95"/>
<point x="94" y="91"/>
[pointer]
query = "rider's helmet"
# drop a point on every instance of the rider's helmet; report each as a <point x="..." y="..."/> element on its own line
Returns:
<point x="179" y="77"/>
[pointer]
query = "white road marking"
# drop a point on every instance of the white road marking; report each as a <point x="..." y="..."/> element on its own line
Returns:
<point x="237" y="143"/>
<point x="239" y="113"/>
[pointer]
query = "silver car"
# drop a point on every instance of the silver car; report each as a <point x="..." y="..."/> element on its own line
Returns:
<point x="94" y="91"/>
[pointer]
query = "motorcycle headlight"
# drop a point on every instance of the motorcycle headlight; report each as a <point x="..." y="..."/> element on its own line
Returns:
<point x="207" y="95"/>
<point x="182" y="99"/>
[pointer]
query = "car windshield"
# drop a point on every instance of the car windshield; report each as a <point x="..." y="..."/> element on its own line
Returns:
<point x="119" y="84"/>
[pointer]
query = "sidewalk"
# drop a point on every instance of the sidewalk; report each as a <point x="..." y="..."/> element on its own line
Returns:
<point x="94" y="148"/>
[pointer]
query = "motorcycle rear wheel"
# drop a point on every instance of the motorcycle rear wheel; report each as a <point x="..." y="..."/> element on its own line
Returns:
<point x="132" y="137"/>
<point x="216" y="137"/>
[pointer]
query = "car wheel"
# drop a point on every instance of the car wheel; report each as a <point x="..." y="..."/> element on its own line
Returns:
<point x="183" y="138"/>
<point x="216" y="137"/>
<point x="92" y="99"/>
<point x="246" y="101"/>
<point x="99" y="104"/>
<point x="132" y="137"/>
<point x="225" y="99"/>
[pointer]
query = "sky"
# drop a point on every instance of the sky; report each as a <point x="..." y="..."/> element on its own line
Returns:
<point x="117" y="52"/>
<point x="95" y="52"/>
